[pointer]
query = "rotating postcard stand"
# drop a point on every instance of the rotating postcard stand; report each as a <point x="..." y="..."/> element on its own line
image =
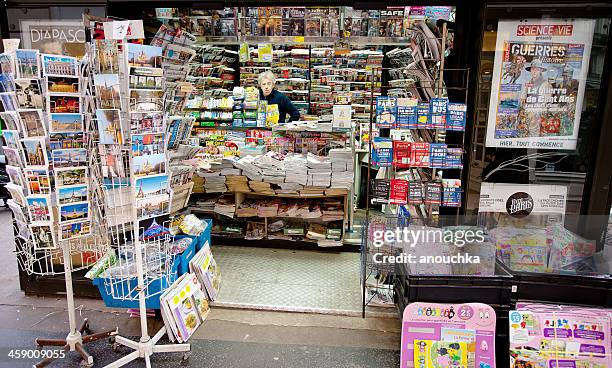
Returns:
<point x="51" y="228"/>
<point x="135" y="184"/>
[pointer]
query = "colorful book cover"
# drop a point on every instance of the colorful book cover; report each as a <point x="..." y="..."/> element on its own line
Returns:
<point x="183" y="307"/>
<point x="415" y="192"/>
<point x="407" y="113"/>
<point x="401" y="154"/>
<point x="437" y="112"/>
<point x="382" y="153"/>
<point x="433" y="193"/>
<point x="398" y="191"/>
<point x="423" y="121"/>
<point x="451" y="192"/>
<point x="437" y="155"/>
<point x="456" y="116"/>
<point x="386" y="111"/>
<point x="419" y="154"/>
<point x="453" y="158"/>
<point x="440" y="354"/>
<point x="380" y="190"/>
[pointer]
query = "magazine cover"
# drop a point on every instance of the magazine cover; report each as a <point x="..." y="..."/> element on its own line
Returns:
<point x="415" y="192"/>
<point x="293" y="21"/>
<point x="437" y="112"/>
<point x="380" y="190"/>
<point x="451" y="192"/>
<point x="386" y="111"/>
<point x="401" y="154"/>
<point x="437" y="155"/>
<point x="423" y="121"/>
<point x="419" y="155"/>
<point x="399" y="191"/>
<point x="407" y="113"/>
<point x="453" y="158"/>
<point x="538" y="83"/>
<point x="433" y="193"/>
<point x="456" y="116"/>
<point x="382" y="152"/>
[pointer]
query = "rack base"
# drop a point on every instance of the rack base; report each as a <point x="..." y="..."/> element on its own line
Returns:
<point x="74" y="342"/>
<point x="144" y="349"/>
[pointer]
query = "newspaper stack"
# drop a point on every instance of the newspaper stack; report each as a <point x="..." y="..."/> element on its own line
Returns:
<point x="246" y="164"/>
<point x="319" y="171"/>
<point x="237" y="183"/>
<point x="261" y="187"/>
<point x="289" y="188"/>
<point x="215" y="184"/>
<point x="332" y="210"/>
<point x="296" y="169"/>
<point x="248" y="208"/>
<point x="227" y="167"/>
<point x="204" y="205"/>
<point x="272" y="168"/>
<point x="268" y="208"/>
<point x="342" y="168"/>
<point x="226" y="206"/>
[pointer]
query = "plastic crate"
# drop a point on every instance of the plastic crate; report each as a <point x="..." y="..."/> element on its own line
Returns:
<point x="155" y="289"/>
<point x="563" y="289"/>
<point x="183" y="258"/>
<point x="492" y="290"/>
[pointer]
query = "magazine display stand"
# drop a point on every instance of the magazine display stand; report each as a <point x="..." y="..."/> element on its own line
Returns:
<point x="409" y="144"/>
<point x="131" y="115"/>
<point x="58" y="225"/>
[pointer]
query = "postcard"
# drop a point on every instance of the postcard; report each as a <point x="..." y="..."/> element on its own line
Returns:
<point x="143" y="100"/>
<point x="62" y="123"/>
<point x="150" y="186"/>
<point x="153" y="228"/>
<point x="107" y="56"/>
<point x="113" y="163"/>
<point x="58" y="65"/>
<point x="109" y="126"/>
<point x="38" y="182"/>
<point x="146" y="122"/>
<point x="72" y="194"/>
<point x="11" y="139"/>
<point x="17" y="211"/>
<point x="146" y="78"/>
<point x="11" y="121"/>
<point x="144" y="55"/>
<point x="63" y="84"/>
<point x="108" y="91"/>
<point x="17" y="193"/>
<point x="26" y="62"/>
<point x="75" y="230"/>
<point x="29" y="94"/>
<point x="74" y="211"/>
<point x="33" y="123"/>
<point x="152" y="206"/>
<point x="39" y="208"/>
<point x="66" y="140"/>
<point x="70" y="176"/>
<point x="64" y="104"/>
<point x="149" y="164"/>
<point x="69" y="157"/>
<point x="7" y="64"/>
<point x="9" y="101"/>
<point x="148" y="144"/>
<point x="42" y="237"/>
<point x="7" y="83"/>
<point x="13" y="156"/>
<point x="15" y="175"/>
<point x="35" y="152"/>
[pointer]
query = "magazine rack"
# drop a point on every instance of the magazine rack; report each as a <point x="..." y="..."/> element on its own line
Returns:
<point x="142" y="240"/>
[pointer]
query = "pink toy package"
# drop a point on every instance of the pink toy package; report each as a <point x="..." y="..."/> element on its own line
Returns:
<point x="552" y="336"/>
<point x="448" y="336"/>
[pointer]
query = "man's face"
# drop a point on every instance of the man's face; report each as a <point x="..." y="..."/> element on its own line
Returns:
<point x="266" y="86"/>
<point x="536" y="73"/>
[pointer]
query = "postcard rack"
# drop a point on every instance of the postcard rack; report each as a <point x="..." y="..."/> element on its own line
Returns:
<point x="420" y="74"/>
<point x="48" y="134"/>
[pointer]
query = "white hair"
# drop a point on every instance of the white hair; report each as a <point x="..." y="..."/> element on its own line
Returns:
<point x="266" y="75"/>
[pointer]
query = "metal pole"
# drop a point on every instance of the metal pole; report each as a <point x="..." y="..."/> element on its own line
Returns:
<point x="69" y="290"/>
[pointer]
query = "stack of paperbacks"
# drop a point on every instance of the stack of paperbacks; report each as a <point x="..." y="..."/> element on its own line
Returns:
<point x="184" y="307"/>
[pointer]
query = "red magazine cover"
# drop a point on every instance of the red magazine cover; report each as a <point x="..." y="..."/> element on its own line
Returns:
<point x="398" y="191"/>
<point x="401" y="154"/>
<point x="419" y="155"/>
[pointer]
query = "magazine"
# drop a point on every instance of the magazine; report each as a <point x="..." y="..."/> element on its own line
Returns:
<point x="204" y="266"/>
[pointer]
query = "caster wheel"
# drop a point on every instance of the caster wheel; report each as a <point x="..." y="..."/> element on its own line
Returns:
<point x="185" y="357"/>
<point x="111" y="340"/>
<point x="116" y="347"/>
<point x="85" y="364"/>
<point x="39" y="347"/>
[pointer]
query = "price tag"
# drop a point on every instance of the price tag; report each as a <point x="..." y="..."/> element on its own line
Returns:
<point x="298" y="39"/>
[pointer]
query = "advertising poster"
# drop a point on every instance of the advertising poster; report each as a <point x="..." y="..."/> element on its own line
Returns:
<point x="54" y="37"/>
<point x="520" y="200"/>
<point x="538" y="83"/>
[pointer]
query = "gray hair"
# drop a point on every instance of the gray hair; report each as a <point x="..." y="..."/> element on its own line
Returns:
<point x="266" y="75"/>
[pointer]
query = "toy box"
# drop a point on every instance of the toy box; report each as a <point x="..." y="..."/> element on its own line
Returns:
<point x="550" y="336"/>
<point x="448" y="336"/>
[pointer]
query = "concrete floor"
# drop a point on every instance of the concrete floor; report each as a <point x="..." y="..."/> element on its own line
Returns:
<point x="228" y="338"/>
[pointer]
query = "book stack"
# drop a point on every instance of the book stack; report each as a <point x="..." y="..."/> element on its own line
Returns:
<point x="183" y="307"/>
<point x="237" y="183"/>
<point x="225" y="205"/>
<point x="205" y="268"/>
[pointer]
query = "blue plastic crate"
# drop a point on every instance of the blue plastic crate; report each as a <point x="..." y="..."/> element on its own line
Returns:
<point x="183" y="258"/>
<point x="155" y="288"/>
